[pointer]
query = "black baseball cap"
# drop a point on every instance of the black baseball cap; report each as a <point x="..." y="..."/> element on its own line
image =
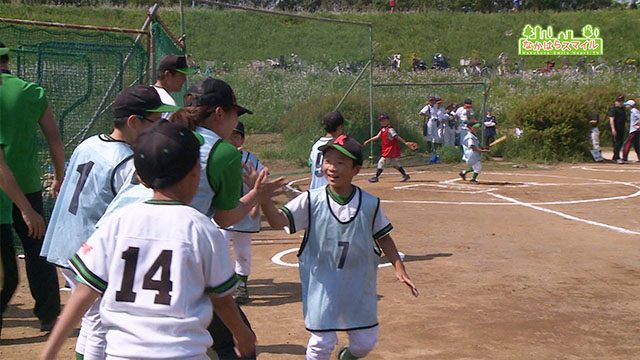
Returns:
<point x="193" y="92"/>
<point x="347" y="146"/>
<point x="333" y="119"/>
<point x="216" y="92"/>
<point x="165" y="153"/>
<point x="383" y="116"/>
<point x="176" y="63"/>
<point x="138" y="100"/>
<point x="239" y="128"/>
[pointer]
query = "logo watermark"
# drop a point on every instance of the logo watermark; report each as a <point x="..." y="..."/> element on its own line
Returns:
<point x="538" y="41"/>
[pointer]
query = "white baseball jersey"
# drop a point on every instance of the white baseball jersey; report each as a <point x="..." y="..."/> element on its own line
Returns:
<point x="463" y="115"/>
<point x="430" y="111"/>
<point x="315" y="162"/>
<point x="248" y="224"/>
<point x="468" y="155"/>
<point x="338" y="257"/>
<point x="154" y="264"/>
<point x="95" y="173"/>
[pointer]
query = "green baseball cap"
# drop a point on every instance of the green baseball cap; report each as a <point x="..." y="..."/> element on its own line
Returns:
<point x="4" y="50"/>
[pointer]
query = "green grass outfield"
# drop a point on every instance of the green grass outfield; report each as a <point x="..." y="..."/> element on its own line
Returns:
<point x="292" y="102"/>
<point x="238" y="36"/>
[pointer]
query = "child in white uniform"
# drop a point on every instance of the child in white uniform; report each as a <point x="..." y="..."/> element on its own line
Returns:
<point x="345" y="230"/>
<point x="240" y="233"/>
<point x="158" y="265"/>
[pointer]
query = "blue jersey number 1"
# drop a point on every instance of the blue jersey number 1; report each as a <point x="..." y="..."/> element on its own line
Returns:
<point x="84" y="170"/>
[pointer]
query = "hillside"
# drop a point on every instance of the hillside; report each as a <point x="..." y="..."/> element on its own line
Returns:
<point x="237" y="37"/>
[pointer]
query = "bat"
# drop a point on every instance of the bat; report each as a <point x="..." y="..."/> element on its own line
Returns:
<point x="499" y="140"/>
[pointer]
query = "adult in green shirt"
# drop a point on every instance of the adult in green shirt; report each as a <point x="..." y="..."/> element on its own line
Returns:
<point x="23" y="109"/>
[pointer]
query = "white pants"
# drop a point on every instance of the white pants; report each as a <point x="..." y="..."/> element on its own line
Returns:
<point x="241" y="250"/>
<point x="449" y="136"/>
<point x="92" y="337"/>
<point x="432" y="133"/>
<point x="476" y="166"/>
<point x="595" y="138"/>
<point x="393" y="161"/>
<point x="361" y="343"/>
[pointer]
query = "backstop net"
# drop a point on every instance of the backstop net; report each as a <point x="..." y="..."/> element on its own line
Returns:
<point x="82" y="70"/>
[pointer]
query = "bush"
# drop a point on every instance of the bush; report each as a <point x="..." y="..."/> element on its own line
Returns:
<point x="450" y="154"/>
<point x="555" y="129"/>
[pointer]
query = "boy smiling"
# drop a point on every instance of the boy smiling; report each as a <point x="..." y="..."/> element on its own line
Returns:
<point x="345" y="229"/>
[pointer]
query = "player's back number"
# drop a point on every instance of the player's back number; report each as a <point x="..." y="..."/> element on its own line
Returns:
<point x="163" y="286"/>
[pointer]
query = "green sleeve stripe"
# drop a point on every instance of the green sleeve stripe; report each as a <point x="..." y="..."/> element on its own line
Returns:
<point x="210" y="168"/>
<point x="87" y="276"/>
<point x="382" y="233"/>
<point x="224" y="287"/>
<point x="292" y="224"/>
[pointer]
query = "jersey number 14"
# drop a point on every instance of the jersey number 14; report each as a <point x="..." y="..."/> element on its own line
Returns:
<point x="163" y="286"/>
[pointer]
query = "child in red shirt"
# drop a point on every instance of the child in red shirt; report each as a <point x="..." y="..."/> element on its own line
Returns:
<point x="390" y="148"/>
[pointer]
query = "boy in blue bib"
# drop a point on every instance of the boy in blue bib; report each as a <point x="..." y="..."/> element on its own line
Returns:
<point x="345" y="232"/>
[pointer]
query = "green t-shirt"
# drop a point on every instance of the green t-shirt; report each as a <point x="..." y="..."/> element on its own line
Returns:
<point x="5" y="209"/>
<point x="224" y="171"/>
<point x="21" y="107"/>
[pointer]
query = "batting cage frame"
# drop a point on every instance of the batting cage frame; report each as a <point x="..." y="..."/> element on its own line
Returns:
<point x="82" y="68"/>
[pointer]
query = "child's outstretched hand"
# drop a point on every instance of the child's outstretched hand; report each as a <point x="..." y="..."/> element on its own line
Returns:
<point x="268" y="189"/>
<point x="250" y="174"/>
<point x="411" y="145"/>
<point x="404" y="278"/>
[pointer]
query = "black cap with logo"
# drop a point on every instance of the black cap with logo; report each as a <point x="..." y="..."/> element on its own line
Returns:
<point x="165" y="153"/>
<point x="333" y="119"/>
<point x="350" y="147"/>
<point x="216" y="92"/>
<point x="138" y="100"/>
<point x="175" y="63"/>
<point x="239" y="128"/>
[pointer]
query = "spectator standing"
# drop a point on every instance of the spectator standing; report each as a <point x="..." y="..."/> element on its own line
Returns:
<point x="489" y="127"/>
<point x="430" y="115"/>
<point x="24" y="108"/>
<point x="595" y="137"/>
<point x="617" y="118"/>
<point x="634" y="127"/>
<point x="449" y="126"/>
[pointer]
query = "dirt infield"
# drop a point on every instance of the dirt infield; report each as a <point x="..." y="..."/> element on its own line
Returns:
<point x="532" y="263"/>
